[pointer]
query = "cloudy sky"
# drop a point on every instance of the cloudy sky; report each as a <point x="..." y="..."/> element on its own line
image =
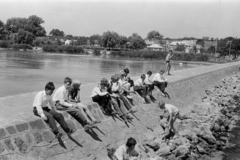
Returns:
<point x="172" y="18"/>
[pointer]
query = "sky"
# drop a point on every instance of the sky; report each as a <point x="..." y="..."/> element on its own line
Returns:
<point x="171" y="18"/>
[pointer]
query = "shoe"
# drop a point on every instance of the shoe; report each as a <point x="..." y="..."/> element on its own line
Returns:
<point x="95" y="122"/>
<point x="59" y="135"/>
<point x="70" y="131"/>
<point x="129" y="117"/>
<point x="88" y="126"/>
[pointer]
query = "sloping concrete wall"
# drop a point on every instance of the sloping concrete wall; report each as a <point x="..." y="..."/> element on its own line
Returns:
<point x="33" y="139"/>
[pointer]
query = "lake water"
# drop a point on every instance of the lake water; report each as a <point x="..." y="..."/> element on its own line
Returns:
<point x="23" y="72"/>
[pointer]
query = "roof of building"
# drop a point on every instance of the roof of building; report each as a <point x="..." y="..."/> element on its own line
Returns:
<point x="155" y="46"/>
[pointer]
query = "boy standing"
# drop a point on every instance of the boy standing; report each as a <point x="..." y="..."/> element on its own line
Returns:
<point x="168" y="58"/>
<point x="40" y="108"/>
<point x="173" y="114"/>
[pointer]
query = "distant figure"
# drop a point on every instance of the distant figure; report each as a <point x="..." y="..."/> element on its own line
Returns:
<point x="126" y="151"/>
<point x="168" y="58"/>
<point x="173" y="114"/>
<point x="49" y="115"/>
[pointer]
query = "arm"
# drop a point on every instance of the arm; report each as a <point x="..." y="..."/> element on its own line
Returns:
<point x="52" y="104"/>
<point x="101" y="93"/>
<point x="39" y="107"/>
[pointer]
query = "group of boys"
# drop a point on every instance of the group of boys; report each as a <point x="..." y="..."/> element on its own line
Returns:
<point x="66" y="98"/>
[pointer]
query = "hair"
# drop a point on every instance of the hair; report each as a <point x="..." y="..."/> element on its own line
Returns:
<point x="104" y="82"/>
<point x="160" y="103"/>
<point x="143" y="76"/>
<point x="131" y="142"/>
<point x="162" y="71"/>
<point x="149" y="72"/>
<point x="76" y="83"/>
<point x="126" y="70"/>
<point x="67" y="80"/>
<point x="170" y="51"/>
<point x="50" y="86"/>
<point x="115" y="77"/>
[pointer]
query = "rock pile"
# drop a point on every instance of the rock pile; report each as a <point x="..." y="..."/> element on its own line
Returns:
<point x="205" y="130"/>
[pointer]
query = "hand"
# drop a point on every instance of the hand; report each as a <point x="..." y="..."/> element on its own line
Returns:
<point x="43" y="117"/>
<point x="74" y="105"/>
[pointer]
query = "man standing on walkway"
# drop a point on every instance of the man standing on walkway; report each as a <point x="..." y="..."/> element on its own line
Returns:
<point x="40" y="108"/>
<point x="168" y="58"/>
<point x="60" y="97"/>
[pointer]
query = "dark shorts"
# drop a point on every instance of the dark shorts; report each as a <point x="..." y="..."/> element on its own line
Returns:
<point x="167" y="61"/>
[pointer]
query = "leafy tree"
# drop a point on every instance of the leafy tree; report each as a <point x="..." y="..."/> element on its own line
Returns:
<point x="180" y="47"/>
<point x="82" y="41"/>
<point x="136" y="42"/>
<point x="25" y="37"/>
<point x="3" y="32"/>
<point x="154" y="35"/>
<point x="95" y="39"/>
<point x="123" y="41"/>
<point x="110" y="39"/>
<point x="211" y="49"/>
<point x="69" y="36"/>
<point x="34" y="26"/>
<point x="57" y="33"/>
<point x="200" y="42"/>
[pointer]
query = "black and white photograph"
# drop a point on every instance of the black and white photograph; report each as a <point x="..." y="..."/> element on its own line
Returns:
<point x="119" y="80"/>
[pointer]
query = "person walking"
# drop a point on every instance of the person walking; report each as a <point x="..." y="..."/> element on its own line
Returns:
<point x="168" y="58"/>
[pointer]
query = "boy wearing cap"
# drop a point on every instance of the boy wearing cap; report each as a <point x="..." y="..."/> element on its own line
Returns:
<point x="40" y="108"/>
<point x="161" y="82"/>
<point x="140" y="87"/>
<point x="173" y="114"/>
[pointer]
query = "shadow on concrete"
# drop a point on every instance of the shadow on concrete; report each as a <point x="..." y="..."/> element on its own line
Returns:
<point x="94" y="134"/>
<point x="153" y="99"/>
<point x="71" y="138"/>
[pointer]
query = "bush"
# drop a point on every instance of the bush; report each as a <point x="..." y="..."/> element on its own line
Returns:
<point x="21" y="46"/>
<point x="5" y="44"/>
<point x="146" y="54"/>
<point x="61" y="49"/>
<point x="96" y="52"/>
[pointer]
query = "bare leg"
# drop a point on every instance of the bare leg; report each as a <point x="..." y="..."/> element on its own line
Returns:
<point x="169" y="68"/>
<point x="86" y="112"/>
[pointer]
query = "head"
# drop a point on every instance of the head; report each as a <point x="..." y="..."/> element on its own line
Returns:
<point x="131" y="143"/>
<point x="161" y="105"/>
<point x="126" y="70"/>
<point x="122" y="74"/>
<point x="170" y="52"/>
<point x="67" y="82"/>
<point x="162" y="71"/>
<point x="143" y="77"/>
<point x="103" y="83"/>
<point x="115" y="78"/>
<point x="76" y="84"/>
<point x="49" y="88"/>
<point x="149" y="73"/>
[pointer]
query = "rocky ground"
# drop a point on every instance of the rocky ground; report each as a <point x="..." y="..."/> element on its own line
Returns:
<point x="204" y="130"/>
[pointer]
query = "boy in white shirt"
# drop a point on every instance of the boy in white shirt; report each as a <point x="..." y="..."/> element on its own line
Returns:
<point x="41" y="109"/>
<point x="141" y="88"/>
<point x="161" y="82"/>
<point x="173" y="114"/>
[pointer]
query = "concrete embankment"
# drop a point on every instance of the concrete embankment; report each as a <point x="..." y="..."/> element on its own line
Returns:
<point x="31" y="138"/>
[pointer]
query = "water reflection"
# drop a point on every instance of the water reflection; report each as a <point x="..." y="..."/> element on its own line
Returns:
<point x="22" y="72"/>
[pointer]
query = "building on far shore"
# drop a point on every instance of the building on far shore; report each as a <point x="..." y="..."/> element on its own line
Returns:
<point x="155" y="47"/>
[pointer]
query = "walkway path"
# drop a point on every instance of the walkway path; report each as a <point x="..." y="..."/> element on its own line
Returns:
<point x="20" y="106"/>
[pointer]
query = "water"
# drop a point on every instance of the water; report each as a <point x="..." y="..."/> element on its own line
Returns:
<point x="23" y="72"/>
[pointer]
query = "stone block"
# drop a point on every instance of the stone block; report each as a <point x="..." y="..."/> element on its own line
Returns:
<point x="95" y="105"/>
<point x="28" y="138"/>
<point x="89" y="106"/>
<point x="37" y="124"/>
<point x="21" y="145"/>
<point x="38" y="137"/>
<point x="100" y="114"/>
<point x="5" y="157"/>
<point x="48" y="136"/>
<point x="9" y="145"/>
<point x="11" y="130"/>
<point x="95" y="114"/>
<point x="78" y="125"/>
<point x="71" y="124"/>
<point x="21" y="127"/>
<point x="2" y="133"/>
<point x="2" y="148"/>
